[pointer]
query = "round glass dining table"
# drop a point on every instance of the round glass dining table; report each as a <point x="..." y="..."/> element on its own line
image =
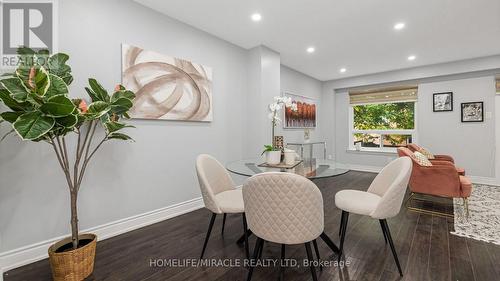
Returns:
<point x="309" y="168"/>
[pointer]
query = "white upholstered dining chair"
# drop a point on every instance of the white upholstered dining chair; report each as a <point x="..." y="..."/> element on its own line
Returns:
<point x="381" y="201"/>
<point x="220" y="194"/>
<point x="286" y="209"/>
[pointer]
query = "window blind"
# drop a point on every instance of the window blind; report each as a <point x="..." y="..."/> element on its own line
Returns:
<point x="387" y="95"/>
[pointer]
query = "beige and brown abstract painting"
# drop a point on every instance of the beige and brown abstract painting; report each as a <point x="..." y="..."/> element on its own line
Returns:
<point x="166" y="88"/>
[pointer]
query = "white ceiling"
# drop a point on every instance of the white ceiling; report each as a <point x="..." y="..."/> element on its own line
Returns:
<point x="355" y="34"/>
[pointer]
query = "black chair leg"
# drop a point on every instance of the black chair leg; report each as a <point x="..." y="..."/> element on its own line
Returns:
<point x="281" y="268"/>
<point x="258" y="244"/>
<point x="383" y="230"/>
<point x="341" y="224"/>
<point x="345" y="220"/>
<point x="245" y="227"/>
<point x="330" y="243"/>
<point x="241" y="240"/>
<point x="212" y="220"/>
<point x="223" y="224"/>
<point x="310" y="259"/>
<point x="316" y="249"/>
<point x="259" y="256"/>
<point x="393" y="249"/>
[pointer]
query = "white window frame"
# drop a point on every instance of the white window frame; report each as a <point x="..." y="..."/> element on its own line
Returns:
<point x="353" y="131"/>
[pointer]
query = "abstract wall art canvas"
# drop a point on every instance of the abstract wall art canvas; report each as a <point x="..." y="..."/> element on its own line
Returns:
<point x="472" y="112"/>
<point x="166" y="88"/>
<point x="442" y="102"/>
<point x="304" y="116"/>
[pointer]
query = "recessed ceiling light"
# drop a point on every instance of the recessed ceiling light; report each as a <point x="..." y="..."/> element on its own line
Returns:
<point x="399" y="25"/>
<point x="256" y="17"/>
<point x="342" y="70"/>
<point x="310" y="50"/>
<point x="412" y="57"/>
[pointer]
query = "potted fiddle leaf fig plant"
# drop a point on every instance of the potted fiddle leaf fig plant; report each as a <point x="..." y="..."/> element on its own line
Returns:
<point x="40" y="110"/>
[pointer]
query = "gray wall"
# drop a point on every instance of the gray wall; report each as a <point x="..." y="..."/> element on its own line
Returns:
<point x="124" y="179"/>
<point x="442" y="132"/>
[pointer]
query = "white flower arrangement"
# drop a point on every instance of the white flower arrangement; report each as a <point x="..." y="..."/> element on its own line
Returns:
<point x="275" y="107"/>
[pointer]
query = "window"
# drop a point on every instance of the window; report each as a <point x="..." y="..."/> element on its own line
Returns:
<point x="381" y="122"/>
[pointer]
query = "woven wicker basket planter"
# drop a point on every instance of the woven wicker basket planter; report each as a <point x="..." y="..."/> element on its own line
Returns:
<point x="73" y="265"/>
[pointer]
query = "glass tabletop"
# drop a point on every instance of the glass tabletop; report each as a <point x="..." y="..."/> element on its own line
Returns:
<point x="309" y="168"/>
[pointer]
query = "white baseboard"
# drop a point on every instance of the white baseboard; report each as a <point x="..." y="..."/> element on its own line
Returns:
<point x="38" y="251"/>
<point x="376" y="169"/>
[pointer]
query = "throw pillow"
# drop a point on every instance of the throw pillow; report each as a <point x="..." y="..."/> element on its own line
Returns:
<point x="421" y="159"/>
<point x="426" y="153"/>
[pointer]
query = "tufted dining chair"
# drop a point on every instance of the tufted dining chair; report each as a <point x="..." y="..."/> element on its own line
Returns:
<point x="381" y="201"/>
<point x="220" y="194"/>
<point x="284" y="208"/>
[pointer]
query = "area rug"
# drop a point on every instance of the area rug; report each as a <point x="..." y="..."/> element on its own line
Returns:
<point x="484" y="214"/>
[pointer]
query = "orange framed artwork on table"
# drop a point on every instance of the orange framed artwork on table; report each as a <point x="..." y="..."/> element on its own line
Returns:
<point x="304" y="116"/>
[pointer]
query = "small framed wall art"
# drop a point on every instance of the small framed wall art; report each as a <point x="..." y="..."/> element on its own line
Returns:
<point x="442" y="102"/>
<point x="472" y="112"/>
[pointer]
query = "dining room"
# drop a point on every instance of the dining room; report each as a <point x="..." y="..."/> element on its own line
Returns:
<point x="249" y="140"/>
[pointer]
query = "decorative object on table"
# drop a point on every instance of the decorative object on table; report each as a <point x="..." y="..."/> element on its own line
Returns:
<point x="472" y="112"/>
<point x="274" y="108"/>
<point x="484" y="210"/>
<point x="307" y="135"/>
<point x="304" y="116"/>
<point x="442" y="102"/>
<point x="290" y="156"/>
<point x="167" y="88"/>
<point x="278" y="142"/>
<point x="281" y="165"/>
<point x="41" y="111"/>
<point x="273" y="154"/>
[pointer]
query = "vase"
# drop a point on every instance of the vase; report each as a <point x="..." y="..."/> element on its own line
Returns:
<point x="273" y="157"/>
<point x="73" y="264"/>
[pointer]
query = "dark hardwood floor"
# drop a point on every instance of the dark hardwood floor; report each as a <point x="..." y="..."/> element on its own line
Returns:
<point x="426" y="249"/>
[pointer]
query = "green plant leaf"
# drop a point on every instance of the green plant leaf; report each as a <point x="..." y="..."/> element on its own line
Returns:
<point x="121" y="106"/>
<point x="97" y="109"/>
<point x="41" y="81"/>
<point x="100" y="92"/>
<point x="10" y="116"/>
<point x="57" y="66"/>
<point x="116" y="126"/>
<point x="57" y="87"/>
<point x="67" y="121"/>
<point x="119" y="136"/>
<point x="93" y="96"/>
<point x="33" y="125"/>
<point x="12" y="103"/>
<point x="16" y="88"/>
<point x="122" y="94"/>
<point x="58" y="106"/>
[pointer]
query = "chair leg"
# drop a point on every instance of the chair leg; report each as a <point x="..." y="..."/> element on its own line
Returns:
<point x="466" y="207"/>
<point x="310" y="259"/>
<point x="383" y="230"/>
<point x="316" y="249"/>
<point x="258" y="244"/>
<point x="341" y="224"/>
<point x="245" y="227"/>
<point x="393" y="249"/>
<point x="330" y="243"/>
<point x="344" y="229"/>
<point x="280" y="266"/>
<point x="212" y="220"/>
<point x="241" y="240"/>
<point x="223" y="224"/>
<point x="259" y="256"/>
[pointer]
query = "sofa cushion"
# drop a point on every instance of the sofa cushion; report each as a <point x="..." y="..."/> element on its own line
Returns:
<point x="421" y="159"/>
